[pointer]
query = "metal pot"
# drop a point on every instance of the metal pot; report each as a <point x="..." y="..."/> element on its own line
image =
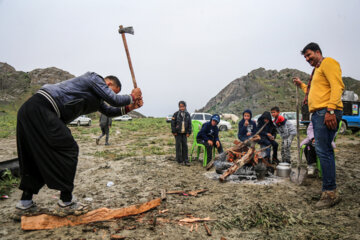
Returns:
<point x="283" y="169"/>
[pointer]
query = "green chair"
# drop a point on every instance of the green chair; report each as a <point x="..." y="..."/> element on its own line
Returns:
<point x="196" y="126"/>
<point x="318" y="164"/>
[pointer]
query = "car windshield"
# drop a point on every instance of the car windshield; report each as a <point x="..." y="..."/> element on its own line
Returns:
<point x="197" y="117"/>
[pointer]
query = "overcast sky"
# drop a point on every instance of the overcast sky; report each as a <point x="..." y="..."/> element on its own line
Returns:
<point x="182" y="50"/>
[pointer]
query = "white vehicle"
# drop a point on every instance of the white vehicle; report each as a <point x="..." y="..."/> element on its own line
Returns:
<point x="168" y="118"/>
<point x="83" y="120"/>
<point x="123" y="118"/>
<point x="205" y="117"/>
<point x="290" y="116"/>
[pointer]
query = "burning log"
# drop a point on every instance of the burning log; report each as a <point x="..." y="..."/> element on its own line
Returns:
<point x="236" y="152"/>
<point x="238" y="164"/>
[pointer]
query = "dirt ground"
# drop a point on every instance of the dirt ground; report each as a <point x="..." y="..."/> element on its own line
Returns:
<point x="246" y="210"/>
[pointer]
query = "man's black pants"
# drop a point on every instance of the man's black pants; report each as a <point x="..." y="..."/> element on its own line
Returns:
<point x="273" y="143"/>
<point x="105" y="131"/>
<point x="181" y="148"/>
<point x="209" y="148"/>
<point x="48" y="153"/>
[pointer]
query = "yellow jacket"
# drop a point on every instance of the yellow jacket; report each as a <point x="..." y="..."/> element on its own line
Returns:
<point x="326" y="86"/>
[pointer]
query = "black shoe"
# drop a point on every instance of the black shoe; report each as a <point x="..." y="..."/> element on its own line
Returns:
<point x="275" y="161"/>
<point x="107" y="144"/>
<point x="97" y="141"/>
<point x="187" y="164"/>
<point x="180" y="163"/>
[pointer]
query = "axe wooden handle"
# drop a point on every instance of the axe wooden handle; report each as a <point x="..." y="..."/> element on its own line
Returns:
<point x="129" y="59"/>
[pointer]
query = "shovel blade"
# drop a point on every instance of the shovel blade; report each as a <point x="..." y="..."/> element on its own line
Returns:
<point x="297" y="175"/>
<point x="302" y="175"/>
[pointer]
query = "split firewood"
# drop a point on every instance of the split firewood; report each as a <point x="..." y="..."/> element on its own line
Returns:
<point x="196" y="227"/>
<point x="207" y="230"/>
<point x="163" y="211"/>
<point x="211" y="164"/>
<point x="192" y="227"/>
<point x="45" y="221"/>
<point x="196" y="192"/>
<point x="192" y="220"/>
<point x="163" y="194"/>
<point x="191" y="193"/>
<point x="175" y="192"/>
<point x="116" y="237"/>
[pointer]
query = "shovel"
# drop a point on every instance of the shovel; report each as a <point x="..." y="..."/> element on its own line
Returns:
<point x="299" y="173"/>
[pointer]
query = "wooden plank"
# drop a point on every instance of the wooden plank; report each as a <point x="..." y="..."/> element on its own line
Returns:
<point x="45" y="221"/>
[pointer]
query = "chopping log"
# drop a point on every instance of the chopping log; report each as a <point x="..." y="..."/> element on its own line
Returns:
<point x="45" y="221"/>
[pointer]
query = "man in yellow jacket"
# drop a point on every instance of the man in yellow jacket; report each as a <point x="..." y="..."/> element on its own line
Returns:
<point x="323" y="95"/>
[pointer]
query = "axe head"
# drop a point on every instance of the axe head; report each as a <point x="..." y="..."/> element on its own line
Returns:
<point x="126" y="30"/>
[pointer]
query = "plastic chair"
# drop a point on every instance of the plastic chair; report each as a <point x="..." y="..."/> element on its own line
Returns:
<point x="196" y="126"/>
<point x="318" y="164"/>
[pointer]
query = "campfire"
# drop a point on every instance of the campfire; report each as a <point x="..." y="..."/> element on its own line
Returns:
<point x="244" y="160"/>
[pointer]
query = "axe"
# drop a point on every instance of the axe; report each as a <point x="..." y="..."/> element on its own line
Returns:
<point x="122" y="31"/>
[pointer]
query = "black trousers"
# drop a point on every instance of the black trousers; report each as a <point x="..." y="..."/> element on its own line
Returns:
<point x="48" y="153"/>
<point x="105" y="131"/>
<point x="273" y="143"/>
<point x="209" y="148"/>
<point x="181" y="148"/>
<point x="310" y="154"/>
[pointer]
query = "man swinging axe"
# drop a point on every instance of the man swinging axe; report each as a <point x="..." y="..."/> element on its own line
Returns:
<point x="47" y="152"/>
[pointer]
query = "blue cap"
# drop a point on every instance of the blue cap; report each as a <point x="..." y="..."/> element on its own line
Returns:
<point x="216" y="117"/>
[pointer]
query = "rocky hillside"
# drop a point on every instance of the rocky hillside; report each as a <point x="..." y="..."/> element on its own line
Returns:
<point x="14" y="85"/>
<point x="17" y="86"/>
<point x="262" y="89"/>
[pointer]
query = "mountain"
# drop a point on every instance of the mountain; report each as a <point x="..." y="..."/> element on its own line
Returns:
<point x="17" y="86"/>
<point x="262" y="89"/>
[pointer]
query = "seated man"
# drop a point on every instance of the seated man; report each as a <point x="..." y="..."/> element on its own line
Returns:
<point x="268" y="135"/>
<point x="209" y="136"/>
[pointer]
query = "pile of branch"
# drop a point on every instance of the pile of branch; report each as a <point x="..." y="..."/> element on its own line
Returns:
<point x="243" y="152"/>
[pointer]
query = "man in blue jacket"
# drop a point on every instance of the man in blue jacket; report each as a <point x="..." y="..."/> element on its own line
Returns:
<point x="47" y="152"/>
<point x="209" y="136"/>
